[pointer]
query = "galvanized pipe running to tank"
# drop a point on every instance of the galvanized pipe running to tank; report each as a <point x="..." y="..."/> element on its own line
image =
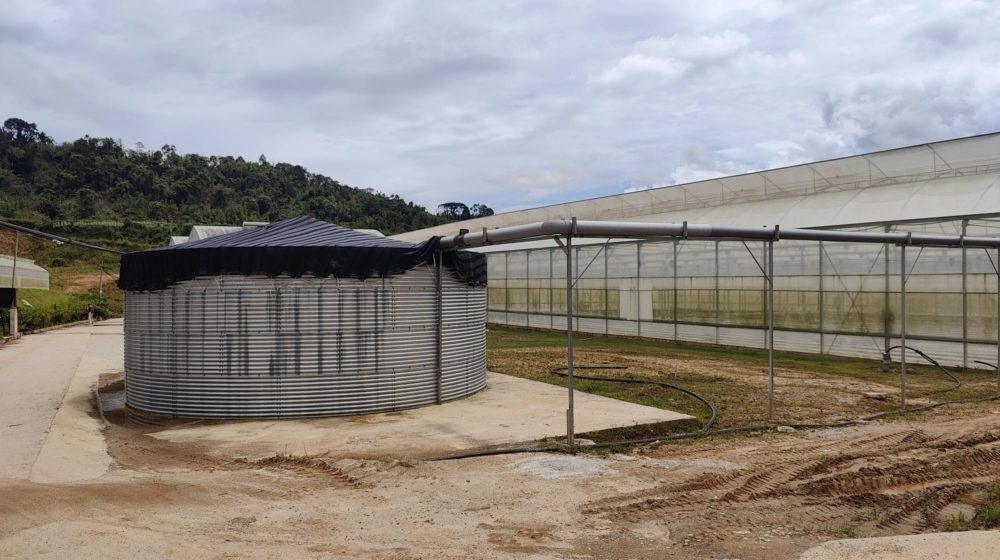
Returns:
<point x="642" y="230"/>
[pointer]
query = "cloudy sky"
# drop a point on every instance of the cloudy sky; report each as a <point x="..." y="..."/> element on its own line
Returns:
<point x="513" y="104"/>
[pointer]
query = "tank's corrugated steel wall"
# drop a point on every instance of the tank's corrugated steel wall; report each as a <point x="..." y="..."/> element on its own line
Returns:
<point x="237" y="346"/>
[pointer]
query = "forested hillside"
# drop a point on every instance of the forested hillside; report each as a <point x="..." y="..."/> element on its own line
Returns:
<point x="44" y="182"/>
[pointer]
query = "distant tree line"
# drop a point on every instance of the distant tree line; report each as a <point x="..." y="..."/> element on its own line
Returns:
<point x="97" y="179"/>
<point x="459" y="211"/>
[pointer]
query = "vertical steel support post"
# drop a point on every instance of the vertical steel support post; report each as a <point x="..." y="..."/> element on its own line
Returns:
<point x="965" y="298"/>
<point x="506" y="287"/>
<point x="770" y="330"/>
<point x="13" y="287"/>
<point x="638" y="288"/>
<point x="527" y="289"/>
<point x="569" y="332"/>
<point x="675" y="291"/>
<point x="439" y="357"/>
<point x="717" y="302"/>
<point x="552" y="299"/>
<point x="886" y="321"/>
<point x="998" y="318"/>
<point x="902" y="324"/>
<point x="822" y="340"/>
<point x="767" y="276"/>
<point x="607" y="318"/>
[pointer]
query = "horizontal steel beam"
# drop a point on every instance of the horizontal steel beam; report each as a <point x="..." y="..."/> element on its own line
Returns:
<point x="640" y="230"/>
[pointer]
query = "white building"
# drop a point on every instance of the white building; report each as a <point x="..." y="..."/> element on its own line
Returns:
<point x="28" y="274"/>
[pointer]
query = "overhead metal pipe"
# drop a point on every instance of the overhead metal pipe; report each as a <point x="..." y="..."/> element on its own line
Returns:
<point x="642" y="230"/>
<point x="58" y="238"/>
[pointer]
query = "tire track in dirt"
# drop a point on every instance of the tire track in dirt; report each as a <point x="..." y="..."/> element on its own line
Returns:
<point x="793" y="464"/>
<point x="307" y="466"/>
<point x="889" y="483"/>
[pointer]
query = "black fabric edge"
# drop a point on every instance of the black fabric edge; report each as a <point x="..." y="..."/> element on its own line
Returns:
<point x="156" y="269"/>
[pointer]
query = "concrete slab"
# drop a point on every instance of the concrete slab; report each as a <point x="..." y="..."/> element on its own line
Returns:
<point x="968" y="545"/>
<point x="75" y="449"/>
<point x="34" y="375"/>
<point x="509" y="410"/>
<point x="45" y="401"/>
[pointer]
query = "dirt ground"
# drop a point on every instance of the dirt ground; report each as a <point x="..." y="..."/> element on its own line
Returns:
<point x="769" y="495"/>
<point x="86" y="282"/>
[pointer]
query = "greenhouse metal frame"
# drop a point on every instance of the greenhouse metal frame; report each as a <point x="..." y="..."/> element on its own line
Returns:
<point x="838" y="298"/>
<point x="823" y="278"/>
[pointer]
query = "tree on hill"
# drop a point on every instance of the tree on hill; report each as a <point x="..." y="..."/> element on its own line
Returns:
<point x="97" y="178"/>
<point x="459" y="211"/>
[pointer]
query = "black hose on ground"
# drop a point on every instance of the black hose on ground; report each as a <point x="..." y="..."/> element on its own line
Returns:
<point x="987" y="364"/>
<point x="713" y="413"/>
<point x="933" y="362"/>
<point x="706" y="429"/>
<point x="699" y="434"/>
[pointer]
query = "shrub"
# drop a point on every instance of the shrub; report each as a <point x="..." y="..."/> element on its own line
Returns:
<point x="38" y="309"/>
<point x="988" y="512"/>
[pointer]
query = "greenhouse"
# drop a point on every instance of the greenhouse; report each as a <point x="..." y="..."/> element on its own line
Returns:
<point x="831" y="297"/>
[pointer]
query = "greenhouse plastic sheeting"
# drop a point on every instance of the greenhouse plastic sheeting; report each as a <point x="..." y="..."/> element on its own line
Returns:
<point x="835" y="298"/>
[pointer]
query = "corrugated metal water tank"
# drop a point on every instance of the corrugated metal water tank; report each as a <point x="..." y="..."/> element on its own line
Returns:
<point x="301" y="318"/>
<point x="244" y="346"/>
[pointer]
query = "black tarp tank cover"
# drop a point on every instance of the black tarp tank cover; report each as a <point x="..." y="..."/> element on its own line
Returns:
<point x="295" y="247"/>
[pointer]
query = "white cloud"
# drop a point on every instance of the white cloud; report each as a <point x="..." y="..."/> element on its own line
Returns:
<point x="507" y="103"/>
<point x="880" y="112"/>
<point x="646" y="187"/>
<point x="699" y="165"/>
<point x="675" y="56"/>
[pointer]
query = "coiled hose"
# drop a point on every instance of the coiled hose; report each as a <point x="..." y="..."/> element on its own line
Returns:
<point x="713" y="413"/>
<point x="933" y="362"/>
